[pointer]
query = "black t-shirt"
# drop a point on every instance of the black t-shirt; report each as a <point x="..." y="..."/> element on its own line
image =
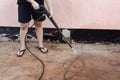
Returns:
<point x="24" y="1"/>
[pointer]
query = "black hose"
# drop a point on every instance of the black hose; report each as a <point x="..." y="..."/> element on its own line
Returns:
<point x="54" y="23"/>
<point x="43" y="65"/>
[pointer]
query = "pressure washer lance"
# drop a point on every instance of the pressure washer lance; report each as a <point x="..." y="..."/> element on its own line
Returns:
<point x="45" y="11"/>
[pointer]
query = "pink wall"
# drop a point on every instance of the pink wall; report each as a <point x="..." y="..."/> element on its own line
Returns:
<point x="83" y="14"/>
<point x="8" y="13"/>
<point x="101" y="14"/>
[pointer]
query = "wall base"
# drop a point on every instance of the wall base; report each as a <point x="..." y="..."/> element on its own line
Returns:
<point x="77" y="35"/>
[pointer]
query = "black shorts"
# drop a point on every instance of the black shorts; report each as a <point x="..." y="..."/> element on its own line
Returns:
<point x="26" y="13"/>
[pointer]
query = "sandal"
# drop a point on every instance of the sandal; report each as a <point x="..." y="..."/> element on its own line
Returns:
<point x="43" y="50"/>
<point x="20" y="53"/>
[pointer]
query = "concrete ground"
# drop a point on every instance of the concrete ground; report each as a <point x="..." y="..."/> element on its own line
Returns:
<point x="92" y="62"/>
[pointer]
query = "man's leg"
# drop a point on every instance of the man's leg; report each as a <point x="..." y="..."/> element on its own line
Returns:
<point x="39" y="34"/>
<point x="23" y="32"/>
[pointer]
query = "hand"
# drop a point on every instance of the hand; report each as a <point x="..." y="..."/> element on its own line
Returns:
<point x="35" y="5"/>
<point x="51" y="13"/>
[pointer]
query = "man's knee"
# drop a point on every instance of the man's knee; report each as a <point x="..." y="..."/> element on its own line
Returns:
<point x="38" y="24"/>
<point x="24" y="26"/>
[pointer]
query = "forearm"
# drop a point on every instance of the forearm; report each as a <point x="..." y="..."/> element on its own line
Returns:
<point x="35" y="5"/>
<point x="30" y="1"/>
<point x="49" y="5"/>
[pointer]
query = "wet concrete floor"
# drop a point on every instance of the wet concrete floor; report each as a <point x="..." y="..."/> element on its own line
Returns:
<point x="92" y="62"/>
